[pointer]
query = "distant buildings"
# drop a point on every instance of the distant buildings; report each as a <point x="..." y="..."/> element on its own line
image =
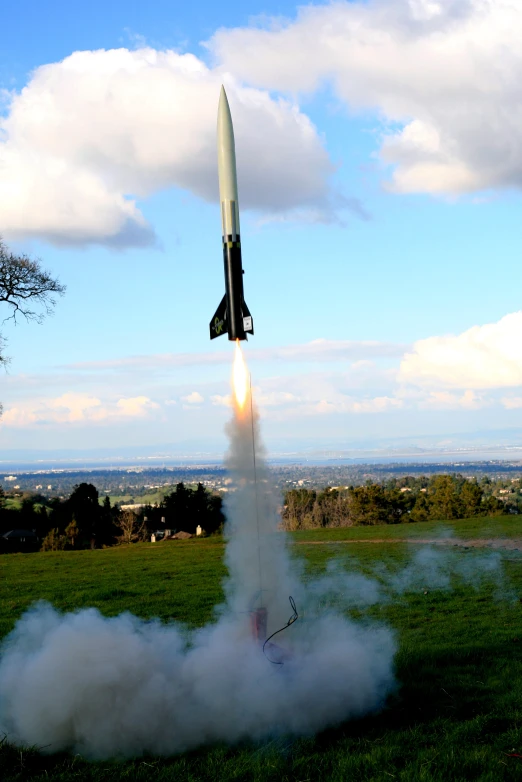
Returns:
<point x="19" y="540"/>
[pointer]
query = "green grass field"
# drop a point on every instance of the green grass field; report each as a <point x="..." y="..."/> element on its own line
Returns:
<point x="148" y="498"/>
<point x="13" y="504"/>
<point x="457" y="714"/>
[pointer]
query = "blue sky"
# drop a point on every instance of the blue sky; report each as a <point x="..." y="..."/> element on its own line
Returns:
<point x="380" y="163"/>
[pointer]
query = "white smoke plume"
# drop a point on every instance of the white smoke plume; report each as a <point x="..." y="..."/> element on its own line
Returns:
<point x="120" y="687"/>
<point x="260" y="570"/>
<point x="430" y="569"/>
<point x="434" y="569"/>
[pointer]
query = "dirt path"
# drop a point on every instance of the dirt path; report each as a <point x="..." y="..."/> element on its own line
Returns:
<point x="512" y="544"/>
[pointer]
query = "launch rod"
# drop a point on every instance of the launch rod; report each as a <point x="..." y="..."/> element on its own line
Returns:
<point x="255" y="484"/>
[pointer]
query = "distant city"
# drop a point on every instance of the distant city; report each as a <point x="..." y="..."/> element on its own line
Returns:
<point x="129" y="475"/>
<point x="133" y="482"/>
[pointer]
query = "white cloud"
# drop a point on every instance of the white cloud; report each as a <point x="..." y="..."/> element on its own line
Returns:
<point x="466" y="372"/>
<point x="76" y="408"/>
<point x="446" y="400"/>
<point x="444" y="76"/>
<point x="320" y="350"/>
<point x="135" y="407"/>
<point x="317" y="351"/>
<point x="378" y="404"/>
<point x="194" y="398"/>
<point x="221" y="400"/>
<point x="512" y="402"/>
<point x="344" y="403"/>
<point x="488" y="356"/>
<point x="316" y="394"/>
<point x="275" y="398"/>
<point x="18" y="416"/>
<point x="91" y="134"/>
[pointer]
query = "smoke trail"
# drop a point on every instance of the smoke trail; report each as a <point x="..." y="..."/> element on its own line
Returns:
<point x="116" y="687"/>
<point x="260" y="569"/>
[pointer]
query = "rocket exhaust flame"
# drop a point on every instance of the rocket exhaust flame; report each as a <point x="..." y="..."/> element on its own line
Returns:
<point x="259" y="617"/>
<point x="241" y="383"/>
<point x="239" y="379"/>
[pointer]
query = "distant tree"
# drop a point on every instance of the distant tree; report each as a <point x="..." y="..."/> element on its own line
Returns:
<point x="84" y="496"/>
<point x="322" y="509"/>
<point x="130" y="527"/>
<point x="298" y="508"/>
<point x="372" y="504"/>
<point x="53" y="541"/>
<point x="339" y="509"/>
<point x="177" y="505"/>
<point x="105" y="530"/>
<point x="26" y="289"/>
<point x="185" y="508"/>
<point x="471" y="495"/>
<point x="444" y="498"/>
<point x="421" y="509"/>
<point x="72" y="532"/>
<point x="29" y="518"/>
<point x="215" y="518"/>
<point x="199" y="506"/>
<point x="42" y="525"/>
<point x="84" y="505"/>
<point x="493" y="506"/>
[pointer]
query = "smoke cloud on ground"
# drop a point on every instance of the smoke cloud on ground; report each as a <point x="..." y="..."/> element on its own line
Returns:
<point x="429" y="569"/>
<point x="117" y="687"/>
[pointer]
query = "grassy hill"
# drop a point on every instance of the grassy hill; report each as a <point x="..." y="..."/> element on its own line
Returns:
<point x="457" y="714"/>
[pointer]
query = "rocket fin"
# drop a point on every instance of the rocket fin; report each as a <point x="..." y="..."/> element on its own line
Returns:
<point x="218" y="324"/>
<point x="248" y="321"/>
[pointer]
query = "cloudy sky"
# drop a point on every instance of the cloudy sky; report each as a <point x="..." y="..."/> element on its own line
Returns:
<point x="379" y="150"/>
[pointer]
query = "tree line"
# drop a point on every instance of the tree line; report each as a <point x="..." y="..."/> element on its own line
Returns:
<point x="441" y="497"/>
<point x="82" y="521"/>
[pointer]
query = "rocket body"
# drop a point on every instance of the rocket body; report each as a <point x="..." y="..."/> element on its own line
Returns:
<point x="232" y="317"/>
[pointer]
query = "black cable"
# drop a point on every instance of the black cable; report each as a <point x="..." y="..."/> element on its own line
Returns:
<point x="292" y="619"/>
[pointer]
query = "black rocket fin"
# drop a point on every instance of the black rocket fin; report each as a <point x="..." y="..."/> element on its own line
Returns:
<point x="248" y="321"/>
<point x="218" y="324"/>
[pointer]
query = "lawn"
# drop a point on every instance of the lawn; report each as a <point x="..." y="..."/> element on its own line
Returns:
<point x="148" y="498"/>
<point x="457" y="713"/>
<point x="12" y="503"/>
<point x="477" y="527"/>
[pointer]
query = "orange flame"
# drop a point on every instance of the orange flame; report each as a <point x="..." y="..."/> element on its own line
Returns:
<point x="239" y="378"/>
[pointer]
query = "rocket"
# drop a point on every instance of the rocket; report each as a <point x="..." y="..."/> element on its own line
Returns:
<point x="232" y="317"/>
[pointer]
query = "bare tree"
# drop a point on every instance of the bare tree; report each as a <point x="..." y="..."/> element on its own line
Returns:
<point x="131" y="529"/>
<point x="3" y="359"/>
<point x="27" y="289"/>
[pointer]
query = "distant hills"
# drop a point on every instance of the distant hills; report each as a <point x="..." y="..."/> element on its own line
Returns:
<point x="494" y="445"/>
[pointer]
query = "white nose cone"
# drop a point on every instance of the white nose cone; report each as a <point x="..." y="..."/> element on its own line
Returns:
<point x="227" y="169"/>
